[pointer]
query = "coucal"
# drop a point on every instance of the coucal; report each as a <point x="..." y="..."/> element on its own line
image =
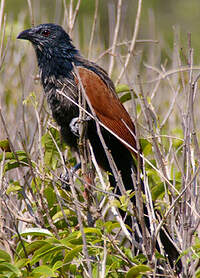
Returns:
<point x="57" y="60"/>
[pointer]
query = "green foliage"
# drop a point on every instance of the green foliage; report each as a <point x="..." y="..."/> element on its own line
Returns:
<point x="14" y="160"/>
<point x="36" y="232"/>
<point x="4" y="145"/>
<point x="14" y="187"/>
<point x="6" y="267"/>
<point x="4" y="256"/>
<point x="51" y="151"/>
<point x="31" y="99"/>
<point x="44" y="271"/>
<point x="56" y="256"/>
<point x="62" y="257"/>
<point x="146" y="147"/>
<point x="137" y="271"/>
<point x="127" y="92"/>
<point x="40" y="253"/>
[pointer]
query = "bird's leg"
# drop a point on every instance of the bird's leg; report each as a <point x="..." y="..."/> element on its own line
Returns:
<point x="74" y="124"/>
<point x="65" y="176"/>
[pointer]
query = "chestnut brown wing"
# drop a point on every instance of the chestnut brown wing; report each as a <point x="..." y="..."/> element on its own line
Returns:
<point x="107" y="106"/>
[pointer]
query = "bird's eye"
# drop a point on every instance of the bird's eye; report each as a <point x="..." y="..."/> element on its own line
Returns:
<point x="45" y="33"/>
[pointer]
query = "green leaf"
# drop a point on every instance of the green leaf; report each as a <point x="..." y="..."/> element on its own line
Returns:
<point x="159" y="256"/>
<point x="36" y="232"/>
<point x="57" y="265"/>
<point x="31" y="99"/>
<point x="121" y="88"/>
<point x="115" y="203"/>
<point x="111" y="226"/>
<point x="92" y="230"/>
<point x="59" y="214"/>
<point x="178" y="133"/>
<point x="124" y="88"/>
<point x="197" y="274"/>
<point x="13" y="187"/>
<point x="9" y="155"/>
<point x="51" y="153"/>
<point x="72" y="239"/>
<point x="73" y="269"/>
<point x="196" y="246"/>
<point x="137" y="271"/>
<point x="45" y="271"/>
<point x="125" y="97"/>
<point x="10" y="268"/>
<point x="40" y="250"/>
<point x="12" y="162"/>
<point x="157" y="191"/>
<point x="139" y="259"/>
<point x="71" y="254"/>
<point x="5" y="256"/>
<point x="22" y="263"/>
<point x="45" y="252"/>
<point x="33" y="246"/>
<point x="50" y="195"/>
<point x="4" y="145"/>
<point x="146" y="147"/>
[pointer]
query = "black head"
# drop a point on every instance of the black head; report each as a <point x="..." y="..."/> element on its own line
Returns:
<point x="53" y="46"/>
<point x="45" y="34"/>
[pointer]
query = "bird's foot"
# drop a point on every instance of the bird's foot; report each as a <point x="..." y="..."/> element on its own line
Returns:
<point x="65" y="177"/>
<point x="74" y="124"/>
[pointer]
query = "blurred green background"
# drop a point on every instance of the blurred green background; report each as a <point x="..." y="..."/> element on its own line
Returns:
<point x="166" y="14"/>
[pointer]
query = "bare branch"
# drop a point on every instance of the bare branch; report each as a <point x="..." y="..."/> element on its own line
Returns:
<point x="132" y="46"/>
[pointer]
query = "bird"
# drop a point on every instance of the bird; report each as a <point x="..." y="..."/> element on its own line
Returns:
<point x="62" y="68"/>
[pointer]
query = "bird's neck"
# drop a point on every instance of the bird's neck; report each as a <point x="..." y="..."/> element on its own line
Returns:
<point x="56" y="62"/>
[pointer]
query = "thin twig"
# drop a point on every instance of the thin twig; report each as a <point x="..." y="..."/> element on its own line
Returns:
<point x="1" y="12"/>
<point x="103" y="265"/>
<point x="133" y="41"/>
<point x="30" y="12"/>
<point x="175" y="201"/>
<point x="116" y="32"/>
<point x="85" y="248"/>
<point x="73" y="15"/>
<point x="93" y="28"/>
<point x="107" y="51"/>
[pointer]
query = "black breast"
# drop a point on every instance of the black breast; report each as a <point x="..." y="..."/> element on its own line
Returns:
<point x="61" y="93"/>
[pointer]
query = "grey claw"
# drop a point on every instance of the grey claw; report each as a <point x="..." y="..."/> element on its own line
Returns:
<point x="74" y="125"/>
<point x="65" y="180"/>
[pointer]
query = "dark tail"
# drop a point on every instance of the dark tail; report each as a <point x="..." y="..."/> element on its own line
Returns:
<point x="172" y="253"/>
<point x="124" y="162"/>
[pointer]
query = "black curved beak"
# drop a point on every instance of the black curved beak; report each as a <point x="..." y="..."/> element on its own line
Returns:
<point x="26" y="35"/>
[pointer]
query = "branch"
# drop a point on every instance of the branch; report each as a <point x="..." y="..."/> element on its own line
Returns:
<point x="136" y="29"/>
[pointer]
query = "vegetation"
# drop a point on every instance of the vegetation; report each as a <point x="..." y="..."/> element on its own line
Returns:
<point x="44" y="228"/>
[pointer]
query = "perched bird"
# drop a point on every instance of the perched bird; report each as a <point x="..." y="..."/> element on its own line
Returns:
<point x="57" y="60"/>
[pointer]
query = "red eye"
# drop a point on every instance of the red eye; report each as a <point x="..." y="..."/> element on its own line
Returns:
<point x="46" y="33"/>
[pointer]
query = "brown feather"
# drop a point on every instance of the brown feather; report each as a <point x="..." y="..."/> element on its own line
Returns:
<point x="107" y="106"/>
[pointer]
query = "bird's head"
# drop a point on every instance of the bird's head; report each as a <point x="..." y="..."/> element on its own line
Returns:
<point x="46" y="35"/>
<point x="53" y="46"/>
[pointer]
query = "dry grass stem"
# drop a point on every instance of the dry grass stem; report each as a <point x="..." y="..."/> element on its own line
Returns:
<point x="133" y="41"/>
